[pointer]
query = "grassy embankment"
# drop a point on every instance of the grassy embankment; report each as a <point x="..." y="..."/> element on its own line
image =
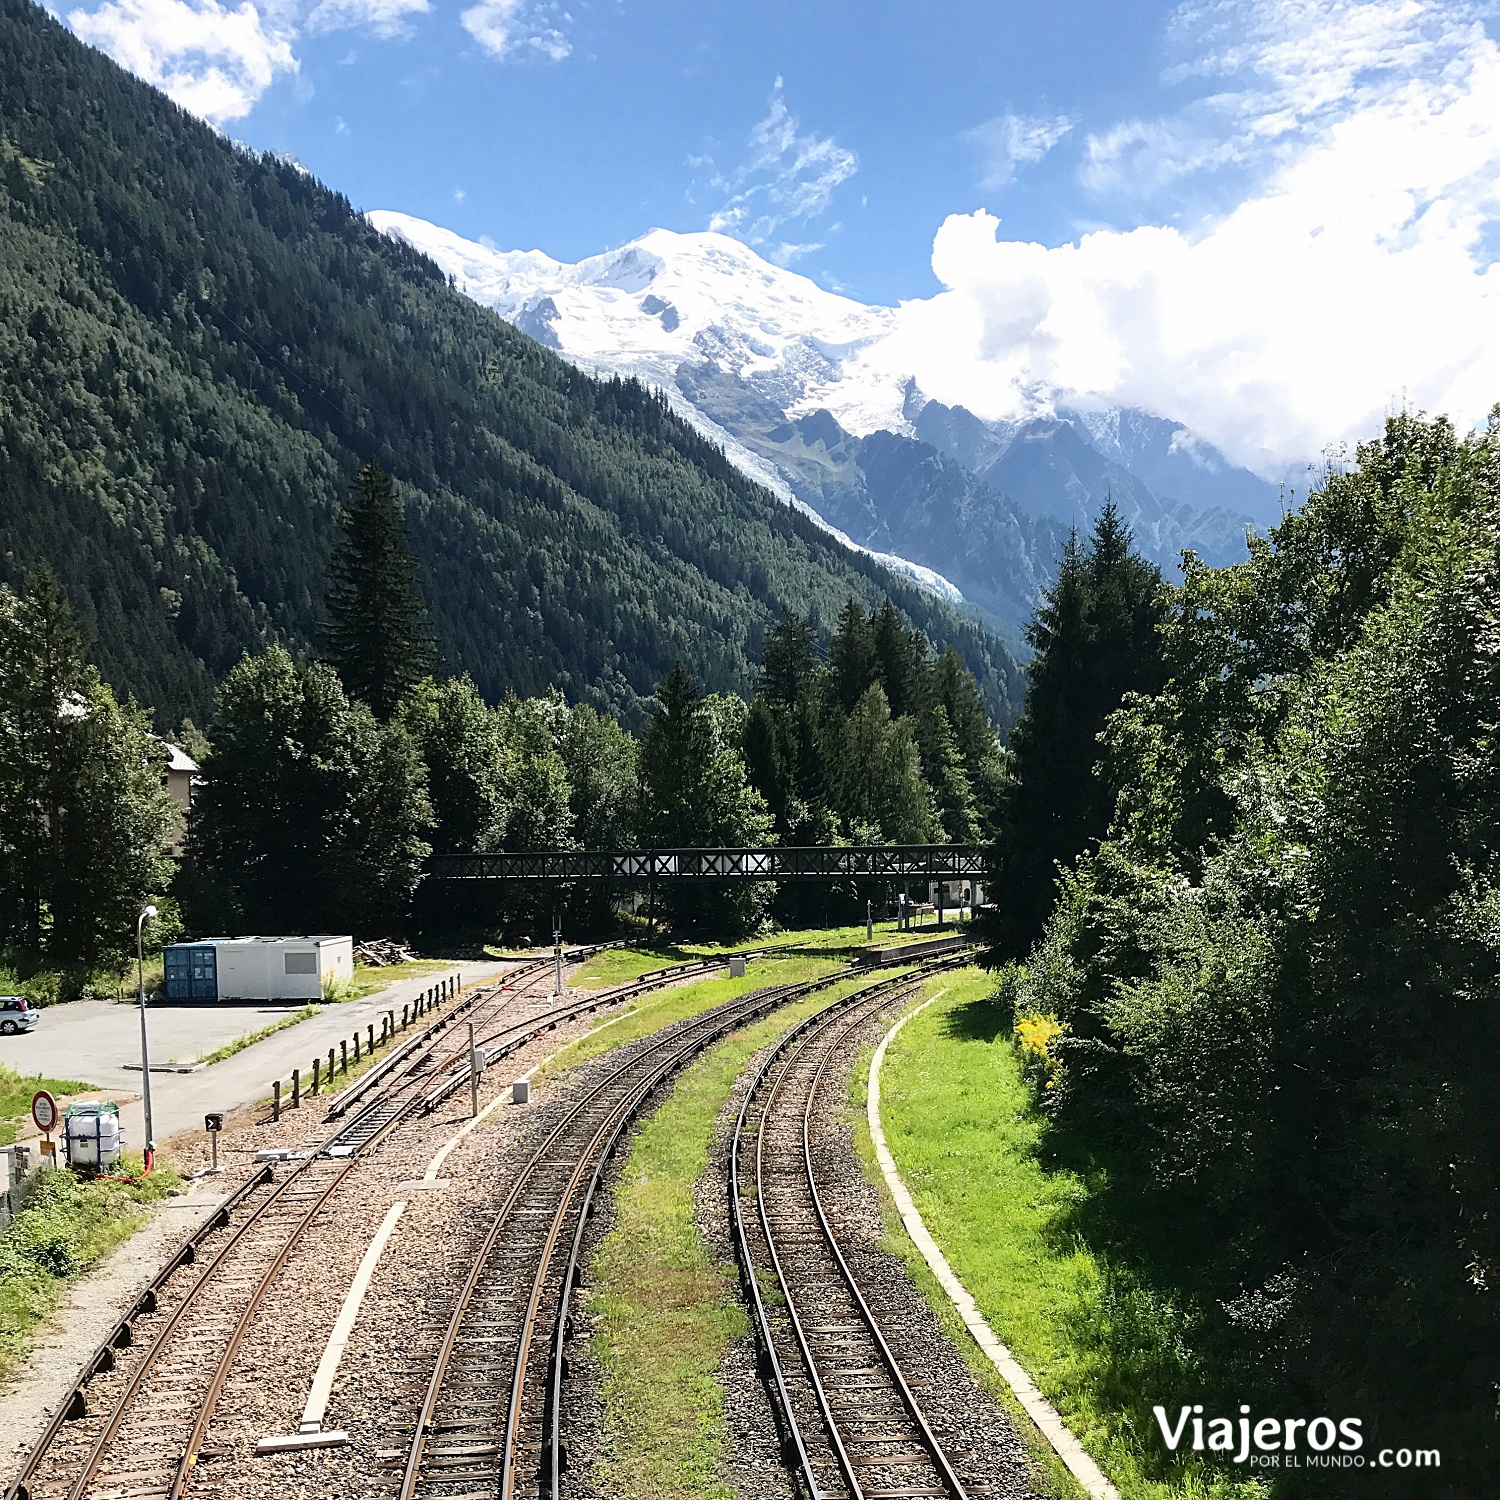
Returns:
<point x="1098" y="1338"/>
<point x="16" y="1091"/>
<point x="67" y="1225"/>
<point x="53" y="986"/>
<point x="665" y="1309"/>
<point x="368" y="981"/>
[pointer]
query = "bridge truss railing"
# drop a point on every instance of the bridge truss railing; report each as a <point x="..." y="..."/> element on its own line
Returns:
<point x="904" y="862"/>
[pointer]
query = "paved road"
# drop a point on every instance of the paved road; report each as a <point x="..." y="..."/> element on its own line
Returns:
<point x="93" y="1040"/>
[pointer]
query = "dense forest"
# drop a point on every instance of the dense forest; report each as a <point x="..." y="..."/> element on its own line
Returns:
<point x="200" y="346"/>
<point x="328" y="783"/>
<point x="1264" y="1012"/>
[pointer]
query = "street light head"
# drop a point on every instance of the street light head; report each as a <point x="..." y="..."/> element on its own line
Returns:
<point x="150" y="911"/>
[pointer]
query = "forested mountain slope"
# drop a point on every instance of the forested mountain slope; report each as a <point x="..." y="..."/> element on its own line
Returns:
<point x="198" y="348"/>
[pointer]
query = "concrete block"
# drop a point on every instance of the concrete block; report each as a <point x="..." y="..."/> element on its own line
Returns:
<point x="520" y="1091"/>
<point x="300" y="1440"/>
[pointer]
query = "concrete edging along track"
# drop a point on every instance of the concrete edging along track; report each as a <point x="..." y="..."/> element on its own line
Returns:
<point x="1038" y="1408"/>
<point x="310" y="1434"/>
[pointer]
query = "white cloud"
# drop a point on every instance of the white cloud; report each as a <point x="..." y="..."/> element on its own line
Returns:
<point x="214" y="61"/>
<point x="1356" y="270"/>
<point x="386" y="18"/>
<point x="502" y="27"/>
<point x="789" y="175"/>
<point x="1009" y="142"/>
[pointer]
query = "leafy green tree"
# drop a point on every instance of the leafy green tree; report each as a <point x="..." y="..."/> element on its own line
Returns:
<point x="536" y="776"/>
<point x="1278" y="978"/>
<point x="881" y="792"/>
<point x="599" y="759"/>
<point x="1096" y="638"/>
<point x="85" y="823"/>
<point x="460" y="741"/>
<point x="694" y="793"/>
<point x="314" y="816"/>
<point x="377" y="633"/>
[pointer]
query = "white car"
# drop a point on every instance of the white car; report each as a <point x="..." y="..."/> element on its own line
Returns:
<point x="17" y="1013"/>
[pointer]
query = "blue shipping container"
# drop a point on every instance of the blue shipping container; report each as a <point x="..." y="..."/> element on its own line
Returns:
<point x="192" y="971"/>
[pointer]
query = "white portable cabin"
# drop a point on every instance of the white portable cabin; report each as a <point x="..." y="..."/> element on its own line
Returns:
<point x="277" y="968"/>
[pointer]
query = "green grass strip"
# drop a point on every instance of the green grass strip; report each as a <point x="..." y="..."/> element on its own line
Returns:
<point x="621" y="965"/>
<point x="16" y="1090"/>
<point x="251" y="1038"/>
<point x="67" y="1224"/>
<point x="679" y="1001"/>
<point x="967" y="1136"/>
<point x="665" y="1310"/>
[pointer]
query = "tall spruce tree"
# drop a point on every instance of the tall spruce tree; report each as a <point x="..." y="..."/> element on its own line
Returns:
<point x="377" y="633"/>
<point x="788" y="658"/>
<point x="851" y="656"/>
<point x="1095" y="638"/>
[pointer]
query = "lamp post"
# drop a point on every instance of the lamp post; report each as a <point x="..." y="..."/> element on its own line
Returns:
<point x="140" y="979"/>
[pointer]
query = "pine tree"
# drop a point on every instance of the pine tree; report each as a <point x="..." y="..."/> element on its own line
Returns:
<point x="788" y="658"/>
<point x="1095" y="638"/>
<point x="851" y="656"/>
<point x="901" y="660"/>
<point x="377" y="633"/>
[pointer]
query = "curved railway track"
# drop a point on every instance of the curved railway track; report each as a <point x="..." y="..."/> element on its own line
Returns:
<point x="854" y="1427"/>
<point x="489" y="1423"/>
<point x="137" y="1420"/>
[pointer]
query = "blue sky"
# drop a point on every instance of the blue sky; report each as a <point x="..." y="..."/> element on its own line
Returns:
<point x="603" y="118"/>
<point x="1273" y="220"/>
<point x="647" y="121"/>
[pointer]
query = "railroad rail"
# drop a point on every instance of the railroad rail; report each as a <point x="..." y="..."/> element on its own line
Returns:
<point x="853" y="1425"/>
<point x="137" y="1419"/>
<point x="490" y="1420"/>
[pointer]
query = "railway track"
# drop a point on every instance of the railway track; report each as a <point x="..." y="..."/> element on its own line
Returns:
<point x="853" y="1418"/>
<point x="490" y="1420"/>
<point x="137" y="1420"/>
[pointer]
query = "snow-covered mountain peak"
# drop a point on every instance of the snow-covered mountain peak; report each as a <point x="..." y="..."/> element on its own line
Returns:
<point x="668" y="299"/>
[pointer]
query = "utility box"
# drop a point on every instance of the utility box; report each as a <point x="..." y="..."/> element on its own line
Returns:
<point x="92" y="1136"/>
<point x="736" y="968"/>
<point x="258" y="968"/>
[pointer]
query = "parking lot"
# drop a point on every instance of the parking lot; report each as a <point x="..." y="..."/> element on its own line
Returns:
<point x="93" y="1041"/>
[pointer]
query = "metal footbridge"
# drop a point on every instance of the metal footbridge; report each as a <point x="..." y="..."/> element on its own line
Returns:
<point x="913" y="862"/>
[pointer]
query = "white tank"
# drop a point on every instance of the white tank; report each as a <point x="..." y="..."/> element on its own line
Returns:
<point x="93" y="1136"/>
